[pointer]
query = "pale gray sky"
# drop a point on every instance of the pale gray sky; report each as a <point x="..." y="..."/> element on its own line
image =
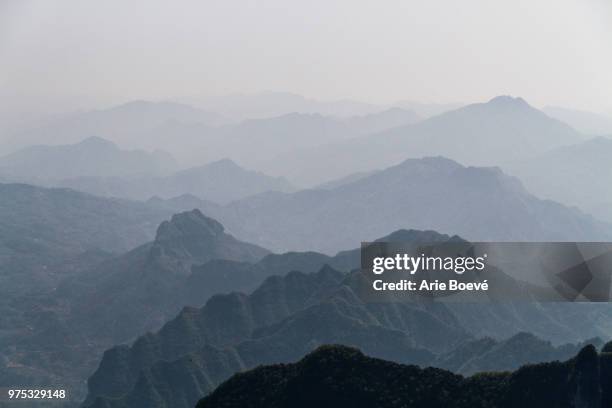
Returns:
<point x="74" y="53"/>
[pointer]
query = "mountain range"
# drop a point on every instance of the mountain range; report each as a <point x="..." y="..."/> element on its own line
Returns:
<point x="430" y="193"/>
<point x="501" y="130"/>
<point x="116" y="298"/>
<point x="112" y="300"/>
<point x="183" y="302"/>
<point x="195" y="136"/>
<point x="287" y="317"/>
<point x="253" y="141"/>
<point x="97" y="166"/>
<point x="109" y="299"/>
<point x="269" y="104"/>
<point x="221" y="181"/>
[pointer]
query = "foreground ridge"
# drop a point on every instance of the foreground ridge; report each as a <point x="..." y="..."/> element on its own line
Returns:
<point x="339" y="376"/>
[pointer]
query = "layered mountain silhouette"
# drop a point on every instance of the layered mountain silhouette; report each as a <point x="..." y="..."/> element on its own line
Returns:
<point x="431" y="193"/>
<point x="500" y="130"/>
<point x="195" y="136"/>
<point x="140" y="290"/>
<point x="578" y="175"/>
<point x="287" y="317"/>
<point x="112" y="300"/>
<point x="190" y="259"/>
<point x="269" y="104"/>
<point x="99" y="167"/>
<point x="337" y="376"/>
<point x="252" y="142"/>
<point x="91" y="157"/>
<point x="280" y="321"/>
<point x="220" y="181"/>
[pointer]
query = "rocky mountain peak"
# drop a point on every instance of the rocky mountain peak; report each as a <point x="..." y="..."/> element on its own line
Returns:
<point x="507" y="101"/>
<point x="188" y="225"/>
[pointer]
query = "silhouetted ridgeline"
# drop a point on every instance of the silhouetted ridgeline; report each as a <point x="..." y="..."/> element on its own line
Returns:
<point x="337" y="376"/>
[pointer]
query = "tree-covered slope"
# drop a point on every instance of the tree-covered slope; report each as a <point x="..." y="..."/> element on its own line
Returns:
<point x="337" y="376"/>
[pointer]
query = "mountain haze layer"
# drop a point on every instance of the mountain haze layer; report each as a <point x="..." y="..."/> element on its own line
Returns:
<point x="579" y="174"/>
<point x="491" y="133"/>
<point x="128" y="124"/>
<point x="221" y="181"/>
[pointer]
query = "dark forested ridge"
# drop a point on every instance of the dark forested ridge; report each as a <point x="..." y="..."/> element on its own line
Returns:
<point x="338" y="376"/>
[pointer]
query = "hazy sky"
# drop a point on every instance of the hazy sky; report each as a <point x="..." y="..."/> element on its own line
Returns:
<point x="66" y="54"/>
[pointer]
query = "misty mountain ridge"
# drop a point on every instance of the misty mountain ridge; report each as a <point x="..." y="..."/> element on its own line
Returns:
<point x="586" y="122"/>
<point x="97" y="166"/>
<point x="195" y="136"/>
<point x="431" y="193"/>
<point x="127" y="124"/>
<point x="91" y="157"/>
<point x="220" y="181"/>
<point x="253" y="141"/>
<point x="269" y="104"/>
<point x="579" y="175"/>
<point x="501" y="130"/>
